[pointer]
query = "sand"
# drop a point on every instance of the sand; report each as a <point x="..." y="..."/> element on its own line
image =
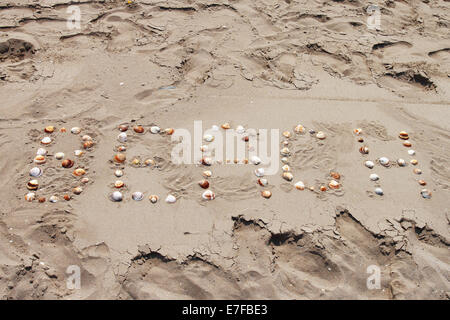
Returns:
<point x="260" y="64"/>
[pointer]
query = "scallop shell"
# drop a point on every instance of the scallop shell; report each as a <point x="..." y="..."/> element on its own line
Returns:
<point x="204" y="184"/>
<point x="384" y="161"/>
<point x="208" y="137"/>
<point x="118" y="173"/>
<point x="426" y="193"/>
<point x="137" y="196"/>
<point x="88" y="144"/>
<point x="379" y="191"/>
<point x="374" y="177"/>
<point x="285" y="151"/>
<point x="79" y="172"/>
<point x="155" y="129"/>
<point x="119" y="184"/>
<point x="46" y="140"/>
<point x="208" y="195"/>
<point x="266" y="194"/>
<point x="75" y="130"/>
<point x="240" y="129"/>
<point x="255" y="160"/>
<point x="364" y="150"/>
<point x="287" y="176"/>
<point x="36" y="172"/>
<point x="120" y="158"/>
<point x="403" y="135"/>
<point x="41" y="152"/>
<point x="59" y="155"/>
<point x="153" y="198"/>
<point x="262" y="182"/>
<point x="39" y="160"/>
<point x="206" y="161"/>
<point x="32" y="185"/>
<point x="77" y="190"/>
<point x="53" y="199"/>
<point x="78" y="153"/>
<point x="138" y="129"/>
<point x="171" y="199"/>
<point x="321" y="135"/>
<point x="369" y="164"/>
<point x="49" y="129"/>
<point x="207" y="173"/>
<point x="333" y="184"/>
<point x="299" y="185"/>
<point x="116" y="196"/>
<point x="401" y="162"/>
<point x="30" y="196"/>
<point x="286" y="168"/>
<point x="123" y="127"/>
<point x="259" y="172"/>
<point x="299" y="129"/>
<point x="286" y="134"/>
<point x="122" y="137"/>
<point x="226" y="126"/>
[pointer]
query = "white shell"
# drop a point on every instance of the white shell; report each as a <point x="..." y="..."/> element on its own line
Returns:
<point x="75" y="130"/>
<point x="30" y="196"/>
<point x="59" y="155"/>
<point x="384" y="161"/>
<point x="425" y="193"/>
<point x="86" y="138"/>
<point x="299" y="129"/>
<point x="259" y="172"/>
<point x="299" y="185"/>
<point x="78" y="152"/>
<point x="215" y="128"/>
<point x="287" y="176"/>
<point x="137" y="196"/>
<point x="53" y="199"/>
<point x="171" y="199"/>
<point x="207" y="173"/>
<point x="41" y="152"/>
<point x="116" y="196"/>
<point x="263" y="182"/>
<point x="122" y="137"/>
<point x="285" y="151"/>
<point x="379" y="191"/>
<point x="255" y="160"/>
<point x="155" y="129"/>
<point x="118" y="173"/>
<point x="240" y="129"/>
<point x="208" y="195"/>
<point x="208" y="137"/>
<point x="285" y="160"/>
<point x="411" y="152"/>
<point x="36" y="172"/>
<point x="321" y="135"/>
<point x="374" y="177"/>
<point x="286" y="168"/>
<point x="46" y="140"/>
<point x="369" y="164"/>
<point x="401" y="162"/>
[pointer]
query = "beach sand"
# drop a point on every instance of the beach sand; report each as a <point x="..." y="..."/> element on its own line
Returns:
<point x="260" y="64"/>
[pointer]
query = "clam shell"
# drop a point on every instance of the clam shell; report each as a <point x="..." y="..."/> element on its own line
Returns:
<point x="119" y="184"/>
<point x="364" y="150"/>
<point x="153" y="198"/>
<point x="67" y="163"/>
<point x="208" y="137"/>
<point x="123" y="127"/>
<point x="59" y="155"/>
<point x="171" y="199"/>
<point x="285" y="151"/>
<point x="122" y="137"/>
<point x="321" y="135"/>
<point x="53" y="199"/>
<point x="41" y="152"/>
<point x="137" y="196"/>
<point x="36" y="172"/>
<point x="299" y="185"/>
<point x="333" y="184"/>
<point x="138" y="129"/>
<point x="403" y="135"/>
<point x="120" y="158"/>
<point x="49" y="129"/>
<point x="379" y="191"/>
<point x="384" y="161"/>
<point x="401" y="162"/>
<point x="77" y="190"/>
<point x="30" y="196"/>
<point x="299" y="129"/>
<point x="46" y="140"/>
<point x="266" y="194"/>
<point x="39" y="160"/>
<point x="287" y="176"/>
<point x="32" y="185"/>
<point x="262" y="182"/>
<point x="255" y="160"/>
<point x="207" y="173"/>
<point x="208" y="195"/>
<point x="240" y="129"/>
<point x="286" y="134"/>
<point x="155" y="129"/>
<point x="259" y="172"/>
<point x="118" y="173"/>
<point x="79" y="172"/>
<point x="204" y="184"/>
<point x="374" y="177"/>
<point x="426" y="193"/>
<point x="369" y="164"/>
<point x="116" y="196"/>
<point x="75" y="130"/>
<point x="226" y="126"/>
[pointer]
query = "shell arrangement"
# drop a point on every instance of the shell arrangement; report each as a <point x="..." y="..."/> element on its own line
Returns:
<point x="45" y="159"/>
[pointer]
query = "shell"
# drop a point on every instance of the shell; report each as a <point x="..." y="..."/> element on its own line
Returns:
<point x="41" y="199"/>
<point x="240" y="129"/>
<point x="46" y="140"/>
<point x="49" y="129"/>
<point x="208" y="137"/>
<point x="360" y="140"/>
<point x="245" y="138"/>
<point x="262" y="182"/>
<point x="171" y="199"/>
<point x="78" y="153"/>
<point x="88" y="144"/>
<point x="118" y="173"/>
<point x="403" y="135"/>
<point x="299" y="185"/>
<point x="86" y="138"/>
<point x="333" y="184"/>
<point x="214" y="127"/>
<point x="67" y="163"/>
<point x="138" y="129"/>
<point x="121" y="148"/>
<point x="206" y="161"/>
<point x="411" y="152"/>
<point x="379" y="191"/>
<point x="299" y="129"/>
<point x="384" y="161"/>
<point x="287" y="176"/>
<point x="149" y="162"/>
<point x="39" y="160"/>
<point x="36" y="172"/>
<point x="364" y="150"/>
<point x="120" y="158"/>
<point x="207" y="173"/>
<point x="422" y="182"/>
<point x="255" y="160"/>
<point x="321" y="135"/>
<point x="155" y="129"/>
<point x="123" y="127"/>
<point x="357" y="131"/>
<point x="259" y="172"/>
<point x="266" y="194"/>
<point x="369" y="164"/>
<point x="32" y="185"/>
<point x="245" y="161"/>
<point x="66" y="197"/>
<point x="414" y="162"/>
<point x="407" y="144"/>
<point x="30" y="196"/>
<point x="286" y="168"/>
<point x="116" y="196"/>
<point x="417" y="171"/>
<point x="312" y="188"/>
<point x="285" y="151"/>
<point x="153" y="198"/>
<point x="374" y="177"/>
<point x="226" y="126"/>
<point x="425" y="193"/>
<point x="323" y="188"/>
<point x="62" y="130"/>
<point x="169" y="131"/>
<point x="53" y="199"/>
<point x="208" y="195"/>
<point x="85" y="180"/>
<point x="136" y="162"/>
<point x="122" y="137"/>
<point x="75" y="130"/>
<point x="59" y="155"/>
<point x="311" y="131"/>
<point x="41" y="152"/>
<point x="119" y="184"/>
<point x="335" y="175"/>
<point x="286" y="134"/>
<point x="286" y="143"/>
<point x="285" y="160"/>
<point x="137" y="196"/>
<point x="204" y="184"/>
<point x="79" y="172"/>
<point x="204" y="148"/>
<point x="401" y="162"/>
<point x="77" y="190"/>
